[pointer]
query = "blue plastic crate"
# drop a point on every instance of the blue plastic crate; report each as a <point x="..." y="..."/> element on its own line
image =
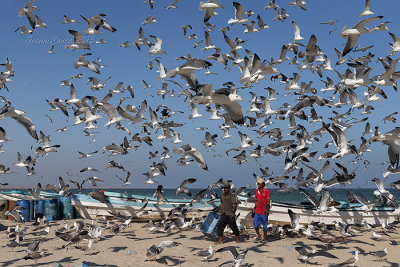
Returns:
<point x="209" y="225"/>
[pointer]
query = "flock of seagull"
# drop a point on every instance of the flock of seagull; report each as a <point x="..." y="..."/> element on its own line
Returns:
<point x="226" y="104"/>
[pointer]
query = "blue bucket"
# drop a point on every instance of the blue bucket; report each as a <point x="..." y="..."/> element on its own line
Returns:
<point x="52" y="209"/>
<point x="66" y="208"/>
<point x="31" y="209"/>
<point x="39" y="208"/>
<point x="209" y="226"/>
<point x="26" y="212"/>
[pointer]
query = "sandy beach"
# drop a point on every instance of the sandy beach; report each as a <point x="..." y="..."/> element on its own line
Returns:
<point x="128" y="248"/>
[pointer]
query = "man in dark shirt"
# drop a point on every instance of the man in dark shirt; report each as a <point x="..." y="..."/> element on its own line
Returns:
<point x="227" y="209"/>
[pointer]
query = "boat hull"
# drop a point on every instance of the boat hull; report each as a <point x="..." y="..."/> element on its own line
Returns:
<point x="89" y="208"/>
<point x="351" y="215"/>
<point x="130" y="205"/>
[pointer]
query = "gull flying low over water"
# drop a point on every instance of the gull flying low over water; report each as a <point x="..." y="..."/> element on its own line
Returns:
<point x="322" y="204"/>
<point x="366" y="205"/>
<point x="183" y="189"/>
<point x="339" y="178"/>
<point x="100" y="196"/>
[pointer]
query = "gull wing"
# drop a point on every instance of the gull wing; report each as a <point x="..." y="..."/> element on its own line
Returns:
<point x="231" y="249"/>
<point x="294" y="218"/>
<point x="313" y="199"/>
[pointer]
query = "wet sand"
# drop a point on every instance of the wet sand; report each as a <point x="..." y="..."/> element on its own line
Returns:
<point x="128" y="248"/>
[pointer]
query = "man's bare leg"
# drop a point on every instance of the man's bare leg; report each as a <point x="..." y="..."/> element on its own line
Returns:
<point x="258" y="233"/>
<point x="220" y="241"/>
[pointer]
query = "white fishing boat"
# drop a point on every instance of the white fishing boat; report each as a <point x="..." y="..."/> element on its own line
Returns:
<point x="141" y="208"/>
<point x="346" y="213"/>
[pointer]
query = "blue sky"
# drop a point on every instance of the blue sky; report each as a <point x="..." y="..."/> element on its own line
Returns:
<point x="39" y="74"/>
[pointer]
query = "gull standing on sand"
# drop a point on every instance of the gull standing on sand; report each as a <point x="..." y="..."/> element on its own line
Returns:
<point x="380" y="253"/>
<point x="206" y="254"/>
<point x="351" y="261"/>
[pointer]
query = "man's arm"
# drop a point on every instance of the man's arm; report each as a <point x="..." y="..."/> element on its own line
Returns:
<point x="234" y="201"/>
<point x="268" y="207"/>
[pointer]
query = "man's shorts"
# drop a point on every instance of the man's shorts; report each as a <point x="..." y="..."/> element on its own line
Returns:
<point x="260" y="218"/>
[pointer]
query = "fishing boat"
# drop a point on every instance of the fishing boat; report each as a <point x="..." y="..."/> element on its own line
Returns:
<point x="346" y="213"/>
<point x="144" y="208"/>
<point x="131" y="205"/>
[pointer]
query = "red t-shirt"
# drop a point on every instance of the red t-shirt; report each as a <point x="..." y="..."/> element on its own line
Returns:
<point x="262" y="200"/>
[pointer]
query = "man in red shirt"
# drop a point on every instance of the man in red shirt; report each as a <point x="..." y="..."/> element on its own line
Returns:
<point x="262" y="208"/>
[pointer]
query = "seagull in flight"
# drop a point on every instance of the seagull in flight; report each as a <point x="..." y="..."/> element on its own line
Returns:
<point x="187" y="150"/>
<point x="239" y="14"/>
<point x="183" y="189"/>
<point x="228" y="98"/>
<point x="352" y="34"/>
